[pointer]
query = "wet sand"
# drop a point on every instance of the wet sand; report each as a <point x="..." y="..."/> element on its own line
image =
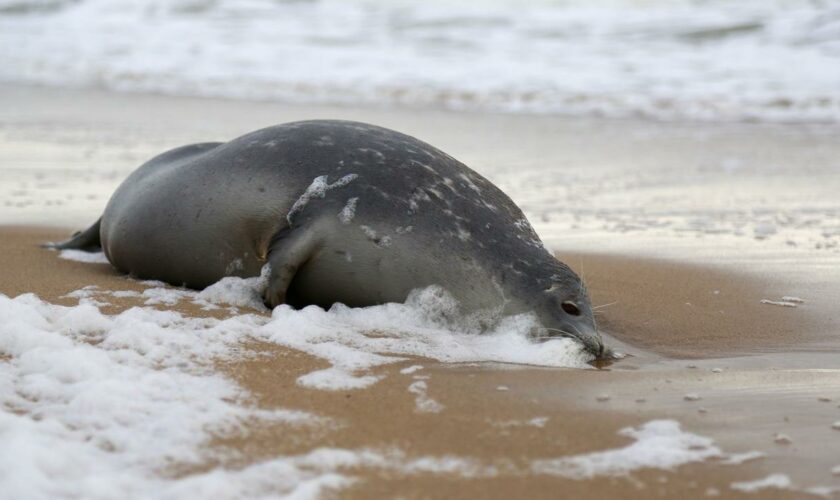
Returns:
<point x="688" y="311"/>
<point x="684" y="301"/>
<point x="744" y="405"/>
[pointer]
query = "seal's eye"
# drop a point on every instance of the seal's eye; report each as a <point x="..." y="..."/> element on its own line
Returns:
<point x="570" y="308"/>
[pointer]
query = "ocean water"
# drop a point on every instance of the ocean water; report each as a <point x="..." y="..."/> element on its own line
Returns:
<point x="719" y="60"/>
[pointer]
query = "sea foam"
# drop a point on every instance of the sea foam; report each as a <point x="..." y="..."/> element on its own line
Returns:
<point x="711" y="60"/>
<point x="357" y="340"/>
<point x="98" y="406"/>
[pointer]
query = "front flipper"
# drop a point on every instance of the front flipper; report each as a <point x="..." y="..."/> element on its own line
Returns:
<point x="288" y="251"/>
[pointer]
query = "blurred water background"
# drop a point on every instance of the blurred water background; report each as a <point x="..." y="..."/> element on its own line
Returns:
<point x="718" y="60"/>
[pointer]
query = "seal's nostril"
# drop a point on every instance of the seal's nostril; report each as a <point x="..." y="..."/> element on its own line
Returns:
<point x="570" y="307"/>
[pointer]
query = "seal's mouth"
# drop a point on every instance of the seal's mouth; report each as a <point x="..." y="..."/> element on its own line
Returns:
<point x="593" y="342"/>
<point x="586" y="335"/>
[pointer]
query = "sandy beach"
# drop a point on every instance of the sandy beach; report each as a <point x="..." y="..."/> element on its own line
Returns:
<point x="690" y="236"/>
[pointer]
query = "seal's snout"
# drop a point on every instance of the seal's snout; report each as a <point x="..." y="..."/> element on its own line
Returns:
<point x="587" y="335"/>
<point x="590" y="338"/>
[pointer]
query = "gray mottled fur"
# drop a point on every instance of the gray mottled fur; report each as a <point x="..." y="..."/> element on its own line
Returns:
<point x="344" y="212"/>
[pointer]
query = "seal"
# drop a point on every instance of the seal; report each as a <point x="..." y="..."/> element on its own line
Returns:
<point x="343" y="212"/>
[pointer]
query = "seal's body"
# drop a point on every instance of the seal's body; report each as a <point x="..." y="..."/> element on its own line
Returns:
<point x="344" y="212"/>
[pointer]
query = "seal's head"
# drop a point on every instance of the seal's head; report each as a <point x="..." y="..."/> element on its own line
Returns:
<point x="564" y="310"/>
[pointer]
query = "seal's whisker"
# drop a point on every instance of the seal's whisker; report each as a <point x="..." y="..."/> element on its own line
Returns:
<point x="582" y="290"/>
<point x="564" y="332"/>
<point x="594" y="308"/>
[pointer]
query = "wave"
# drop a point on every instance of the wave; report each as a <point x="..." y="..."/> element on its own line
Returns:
<point x="721" y="60"/>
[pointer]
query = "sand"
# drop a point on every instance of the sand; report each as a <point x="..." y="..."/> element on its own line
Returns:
<point x="702" y="348"/>
<point x="584" y="409"/>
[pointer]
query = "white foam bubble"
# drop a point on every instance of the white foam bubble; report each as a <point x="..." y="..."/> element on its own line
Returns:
<point x="740" y="458"/>
<point x="660" y="444"/>
<point x="822" y="491"/>
<point x="240" y="292"/>
<point x="795" y="300"/>
<point x="82" y="256"/>
<point x="775" y="481"/>
<point x="781" y="303"/>
<point x="230" y="291"/>
<point x="336" y="379"/>
<point x="538" y="422"/>
<point x="411" y="369"/>
<point x="166" y="296"/>
<point x="422" y="402"/>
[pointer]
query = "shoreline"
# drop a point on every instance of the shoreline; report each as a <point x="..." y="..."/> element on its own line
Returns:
<point x="602" y="401"/>
<point x="817" y="126"/>
<point x="710" y="191"/>
<point x="721" y="310"/>
<point x="657" y="217"/>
